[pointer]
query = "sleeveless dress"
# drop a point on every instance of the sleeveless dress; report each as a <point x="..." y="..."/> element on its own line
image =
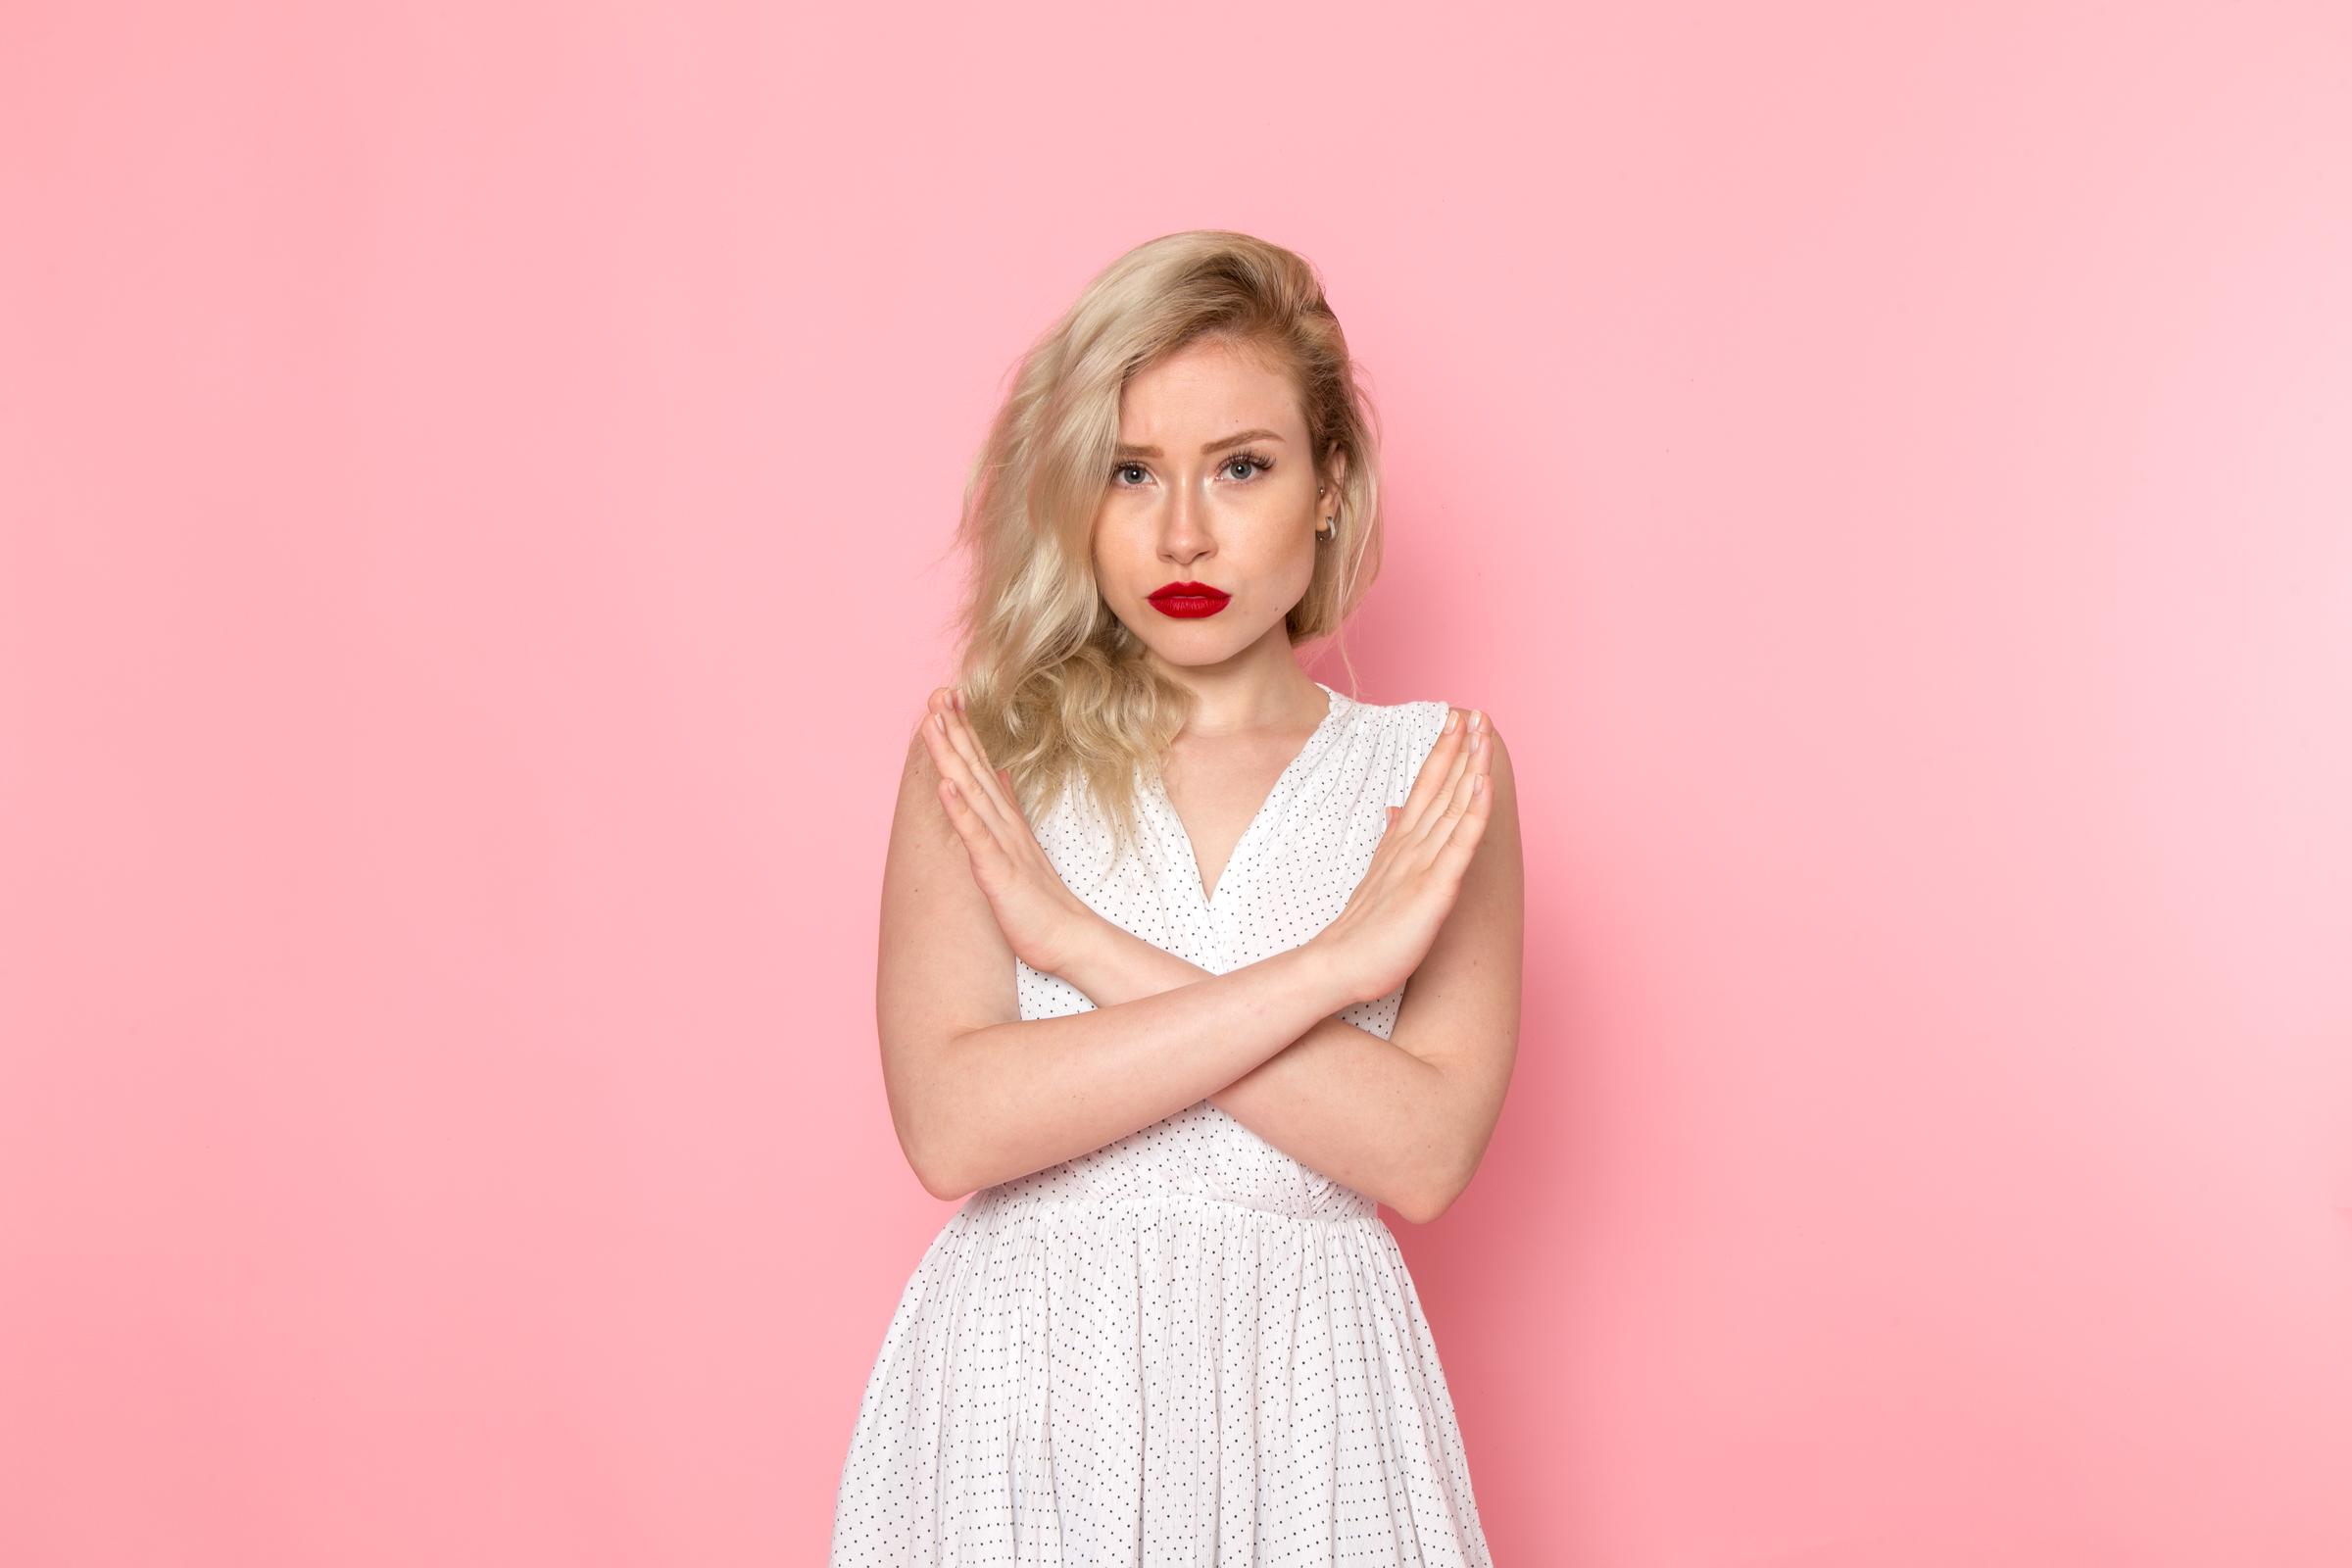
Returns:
<point x="1185" y="1347"/>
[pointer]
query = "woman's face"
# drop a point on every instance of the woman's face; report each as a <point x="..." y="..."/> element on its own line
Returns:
<point x="1213" y="486"/>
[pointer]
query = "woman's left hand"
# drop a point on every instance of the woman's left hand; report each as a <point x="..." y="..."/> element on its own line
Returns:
<point x="1044" y="922"/>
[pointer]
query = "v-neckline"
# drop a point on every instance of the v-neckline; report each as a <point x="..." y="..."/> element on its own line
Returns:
<point x="1207" y="899"/>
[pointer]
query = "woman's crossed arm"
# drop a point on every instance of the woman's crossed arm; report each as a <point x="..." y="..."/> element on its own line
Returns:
<point x="980" y="1097"/>
<point x="1405" y="1119"/>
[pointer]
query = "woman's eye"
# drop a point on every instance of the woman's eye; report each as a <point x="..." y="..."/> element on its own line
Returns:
<point x="1251" y="464"/>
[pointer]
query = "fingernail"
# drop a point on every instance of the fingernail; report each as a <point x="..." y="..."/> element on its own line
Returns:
<point x="1452" y="717"/>
<point x="1476" y="719"/>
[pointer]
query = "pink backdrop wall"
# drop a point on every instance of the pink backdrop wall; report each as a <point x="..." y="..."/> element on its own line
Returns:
<point x="475" y="488"/>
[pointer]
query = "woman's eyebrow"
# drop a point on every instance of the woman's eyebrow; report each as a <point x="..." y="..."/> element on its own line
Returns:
<point x="1234" y="440"/>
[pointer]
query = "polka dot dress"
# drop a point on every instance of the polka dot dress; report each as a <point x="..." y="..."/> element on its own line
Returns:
<point x="1185" y="1347"/>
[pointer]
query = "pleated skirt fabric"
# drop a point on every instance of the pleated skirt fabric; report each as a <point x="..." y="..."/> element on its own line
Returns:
<point x="1180" y="1379"/>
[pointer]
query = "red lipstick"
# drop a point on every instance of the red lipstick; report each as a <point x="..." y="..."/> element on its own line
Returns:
<point x="1187" y="600"/>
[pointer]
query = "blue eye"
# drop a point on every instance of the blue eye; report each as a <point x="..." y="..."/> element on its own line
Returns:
<point x="1256" y="463"/>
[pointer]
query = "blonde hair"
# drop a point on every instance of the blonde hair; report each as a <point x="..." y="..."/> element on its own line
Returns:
<point x="1056" y="685"/>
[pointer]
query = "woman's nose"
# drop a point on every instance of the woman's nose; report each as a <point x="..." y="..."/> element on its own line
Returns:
<point x="1183" y="526"/>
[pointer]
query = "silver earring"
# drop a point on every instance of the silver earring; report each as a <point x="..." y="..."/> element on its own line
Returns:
<point x="1326" y="535"/>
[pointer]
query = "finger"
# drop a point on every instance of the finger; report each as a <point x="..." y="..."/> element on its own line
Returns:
<point x="1433" y="771"/>
<point x="979" y="840"/>
<point x="938" y="733"/>
<point x="948" y="704"/>
<point x="984" y="777"/>
<point x="1450" y="786"/>
<point x="1478" y="758"/>
<point x="1472" y="785"/>
<point x="959" y="740"/>
<point x="934" y="728"/>
<point x="960" y="815"/>
<point x="1438" y="823"/>
<point x="1469" y="828"/>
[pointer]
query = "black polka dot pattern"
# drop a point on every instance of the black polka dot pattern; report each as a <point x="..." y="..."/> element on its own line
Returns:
<point x="1185" y="1347"/>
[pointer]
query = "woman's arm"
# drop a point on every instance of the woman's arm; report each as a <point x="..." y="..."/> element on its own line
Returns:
<point x="978" y="1095"/>
<point x="1338" y="1099"/>
<point x="1404" y="1120"/>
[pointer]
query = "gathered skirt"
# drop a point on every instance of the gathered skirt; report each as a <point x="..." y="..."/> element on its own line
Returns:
<point x="1179" y="1378"/>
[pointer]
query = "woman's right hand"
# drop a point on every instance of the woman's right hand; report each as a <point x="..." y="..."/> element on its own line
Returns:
<point x="1393" y="917"/>
<point x="1044" y="922"/>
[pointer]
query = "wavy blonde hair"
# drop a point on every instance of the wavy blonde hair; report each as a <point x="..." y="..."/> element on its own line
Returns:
<point x="1054" y="683"/>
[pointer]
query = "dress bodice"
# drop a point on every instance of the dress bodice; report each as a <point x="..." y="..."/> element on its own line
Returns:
<point x="1290" y="873"/>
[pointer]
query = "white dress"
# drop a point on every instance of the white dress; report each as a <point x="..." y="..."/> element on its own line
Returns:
<point x="1186" y="1347"/>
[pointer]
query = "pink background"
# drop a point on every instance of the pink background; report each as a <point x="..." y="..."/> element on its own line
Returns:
<point x="475" y="491"/>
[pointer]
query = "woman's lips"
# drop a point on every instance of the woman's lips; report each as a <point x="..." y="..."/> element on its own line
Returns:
<point x="1189" y="600"/>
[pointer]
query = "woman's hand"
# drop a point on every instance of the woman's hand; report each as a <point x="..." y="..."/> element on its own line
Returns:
<point x="1042" y="919"/>
<point x="1393" y="917"/>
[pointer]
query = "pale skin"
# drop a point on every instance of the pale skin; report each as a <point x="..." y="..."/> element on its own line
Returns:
<point x="981" y="1096"/>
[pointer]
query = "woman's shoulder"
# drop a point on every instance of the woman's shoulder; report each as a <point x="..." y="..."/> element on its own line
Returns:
<point x="1413" y="719"/>
<point x="1392" y="740"/>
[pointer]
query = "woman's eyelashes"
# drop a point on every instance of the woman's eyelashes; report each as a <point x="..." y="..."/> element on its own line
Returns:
<point x="1250" y="460"/>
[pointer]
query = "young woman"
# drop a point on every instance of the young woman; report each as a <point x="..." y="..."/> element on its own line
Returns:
<point x="1151" y="902"/>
